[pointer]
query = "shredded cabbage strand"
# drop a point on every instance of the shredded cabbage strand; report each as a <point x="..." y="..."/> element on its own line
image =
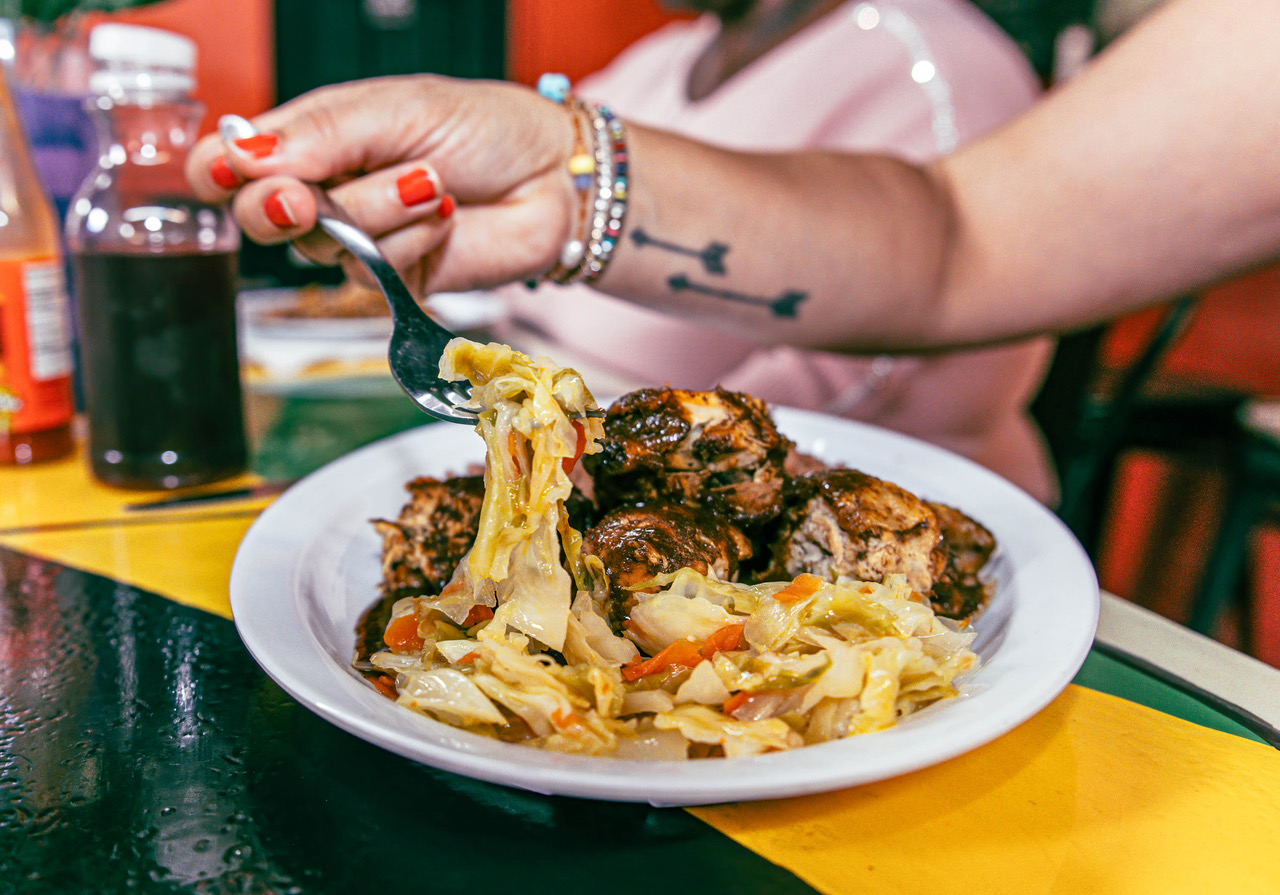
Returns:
<point x="525" y="417"/>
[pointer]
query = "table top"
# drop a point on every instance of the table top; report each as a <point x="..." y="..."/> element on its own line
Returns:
<point x="142" y="749"/>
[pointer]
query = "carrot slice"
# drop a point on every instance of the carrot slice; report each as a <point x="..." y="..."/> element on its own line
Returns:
<point x="479" y="613"/>
<point x="568" y="462"/>
<point x="802" y="586"/>
<point x="685" y="653"/>
<point x="402" y="634"/>
<point x="726" y="638"/>
<point x="565" y="719"/>
<point x="513" y="448"/>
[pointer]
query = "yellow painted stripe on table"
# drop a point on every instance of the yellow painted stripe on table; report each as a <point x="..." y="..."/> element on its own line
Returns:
<point x="184" y="554"/>
<point x="62" y="492"/>
<point x="1094" y="794"/>
<point x="188" y="561"/>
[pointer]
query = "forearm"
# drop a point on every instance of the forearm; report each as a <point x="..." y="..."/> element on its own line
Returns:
<point x="1153" y="173"/>
<point x="771" y="246"/>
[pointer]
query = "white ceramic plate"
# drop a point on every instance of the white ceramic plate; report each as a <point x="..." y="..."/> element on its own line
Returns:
<point x="309" y="567"/>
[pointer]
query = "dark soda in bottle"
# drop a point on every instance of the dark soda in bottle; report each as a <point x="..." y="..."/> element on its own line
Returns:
<point x="156" y="276"/>
<point x="167" y="410"/>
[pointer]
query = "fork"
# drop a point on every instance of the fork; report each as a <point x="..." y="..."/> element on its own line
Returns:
<point x="417" y="341"/>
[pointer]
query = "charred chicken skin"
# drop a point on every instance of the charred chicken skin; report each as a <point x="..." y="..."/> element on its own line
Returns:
<point x="435" y="529"/>
<point x="965" y="547"/>
<point x="636" y="543"/>
<point x="719" y="450"/>
<point x="845" y="522"/>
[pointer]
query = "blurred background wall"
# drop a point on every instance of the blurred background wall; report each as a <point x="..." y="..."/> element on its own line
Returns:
<point x="235" y="65"/>
<point x="241" y="41"/>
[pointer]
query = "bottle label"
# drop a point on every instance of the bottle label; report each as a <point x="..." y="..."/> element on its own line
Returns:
<point x="35" y="346"/>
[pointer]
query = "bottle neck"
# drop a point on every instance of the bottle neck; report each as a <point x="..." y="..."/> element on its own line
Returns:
<point x="138" y="200"/>
<point x="148" y="130"/>
<point x="13" y="134"/>
<point x="27" y="223"/>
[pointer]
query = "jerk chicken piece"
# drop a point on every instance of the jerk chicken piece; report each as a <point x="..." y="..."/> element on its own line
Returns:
<point x="845" y="522"/>
<point x="719" y="450"/>
<point x="435" y="529"/>
<point x="636" y="543"/>
<point x="966" y="546"/>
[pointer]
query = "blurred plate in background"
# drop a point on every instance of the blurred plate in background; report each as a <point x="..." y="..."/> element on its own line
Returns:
<point x="287" y="334"/>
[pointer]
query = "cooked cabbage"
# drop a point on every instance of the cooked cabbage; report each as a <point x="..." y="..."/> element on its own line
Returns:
<point x="727" y="669"/>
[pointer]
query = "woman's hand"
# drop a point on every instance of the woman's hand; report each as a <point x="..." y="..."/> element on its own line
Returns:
<point x="464" y="184"/>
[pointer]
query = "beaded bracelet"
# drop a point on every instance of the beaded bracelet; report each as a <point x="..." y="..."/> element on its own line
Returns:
<point x="611" y="192"/>
<point x="587" y="253"/>
<point x="582" y="167"/>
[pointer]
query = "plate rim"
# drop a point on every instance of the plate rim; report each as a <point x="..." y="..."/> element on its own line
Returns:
<point x="351" y="705"/>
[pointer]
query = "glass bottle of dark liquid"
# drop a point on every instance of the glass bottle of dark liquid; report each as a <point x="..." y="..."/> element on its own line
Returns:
<point x="155" y="277"/>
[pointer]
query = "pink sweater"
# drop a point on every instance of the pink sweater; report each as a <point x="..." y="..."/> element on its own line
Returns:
<point x="911" y="77"/>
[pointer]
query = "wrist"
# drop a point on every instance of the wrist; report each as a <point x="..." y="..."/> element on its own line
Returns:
<point x="579" y="169"/>
<point x="596" y="174"/>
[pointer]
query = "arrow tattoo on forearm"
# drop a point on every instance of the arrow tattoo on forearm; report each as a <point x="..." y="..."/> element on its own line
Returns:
<point x="712" y="257"/>
<point x="785" y="305"/>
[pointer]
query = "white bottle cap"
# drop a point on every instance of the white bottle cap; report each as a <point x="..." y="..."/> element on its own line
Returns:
<point x="135" y="57"/>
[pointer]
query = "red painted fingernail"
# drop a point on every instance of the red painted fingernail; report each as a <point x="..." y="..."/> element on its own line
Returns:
<point x="278" y="211"/>
<point x="446" y="206"/>
<point x="416" y="187"/>
<point x="258" y="146"/>
<point x="223" y="176"/>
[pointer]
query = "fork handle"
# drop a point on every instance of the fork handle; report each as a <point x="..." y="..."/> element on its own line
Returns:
<point x="338" y="224"/>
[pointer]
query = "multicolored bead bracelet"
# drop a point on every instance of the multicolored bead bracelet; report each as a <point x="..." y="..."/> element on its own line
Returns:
<point x="611" y="191"/>
<point x="586" y="254"/>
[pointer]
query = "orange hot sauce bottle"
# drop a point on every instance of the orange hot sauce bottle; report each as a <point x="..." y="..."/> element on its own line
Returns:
<point x="35" y="324"/>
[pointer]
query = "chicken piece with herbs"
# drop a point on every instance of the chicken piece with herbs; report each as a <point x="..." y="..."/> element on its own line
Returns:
<point x="719" y="450"/>
<point x="435" y="529"/>
<point x="966" y="546"/>
<point x="845" y="522"/>
<point x="636" y="543"/>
